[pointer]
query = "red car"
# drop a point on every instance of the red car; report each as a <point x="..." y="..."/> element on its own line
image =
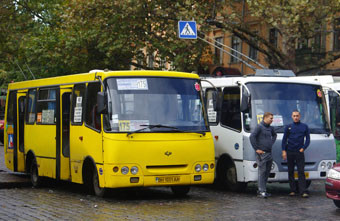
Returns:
<point x="333" y="184"/>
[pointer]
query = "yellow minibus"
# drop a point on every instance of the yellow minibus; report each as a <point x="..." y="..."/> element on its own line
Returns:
<point x="111" y="129"/>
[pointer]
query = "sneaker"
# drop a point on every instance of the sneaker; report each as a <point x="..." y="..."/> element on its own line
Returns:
<point x="292" y="194"/>
<point x="268" y="194"/>
<point x="262" y="195"/>
<point x="305" y="195"/>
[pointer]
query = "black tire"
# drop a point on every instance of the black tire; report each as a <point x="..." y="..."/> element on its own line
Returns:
<point x="97" y="190"/>
<point x="227" y="177"/>
<point x="180" y="190"/>
<point x="308" y="183"/>
<point x="337" y="203"/>
<point x="35" y="178"/>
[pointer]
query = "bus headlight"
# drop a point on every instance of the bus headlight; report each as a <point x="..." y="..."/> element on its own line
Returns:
<point x="134" y="170"/>
<point x="273" y="166"/>
<point x="198" y="168"/>
<point x="125" y="170"/>
<point x="205" y="167"/>
<point x="329" y="165"/>
<point x="323" y="165"/>
<point x="333" y="174"/>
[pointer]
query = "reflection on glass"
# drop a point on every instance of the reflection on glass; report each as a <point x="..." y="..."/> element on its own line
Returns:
<point x="173" y="102"/>
<point x="283" y="98"/>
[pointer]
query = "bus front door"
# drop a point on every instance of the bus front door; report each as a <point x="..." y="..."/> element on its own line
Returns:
<point x="14" y="132"/>
<point x="65" y="102"/>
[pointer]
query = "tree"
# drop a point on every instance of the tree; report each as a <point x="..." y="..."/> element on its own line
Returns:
<point x="295" y="20"/>
<point x="117" y="31"/>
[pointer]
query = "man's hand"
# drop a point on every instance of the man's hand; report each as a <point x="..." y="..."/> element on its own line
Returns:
<point x="302" y="150"/>
<point x="259" y="151"/>
<point x="284" y="155"/>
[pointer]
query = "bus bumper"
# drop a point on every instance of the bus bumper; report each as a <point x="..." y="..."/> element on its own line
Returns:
<point x="113" y="181"/>
<point x="251" y="174"/>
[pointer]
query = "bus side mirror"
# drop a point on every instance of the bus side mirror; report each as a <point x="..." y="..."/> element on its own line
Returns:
<point x="102" y="107"/>
<point x="215" y="101"/>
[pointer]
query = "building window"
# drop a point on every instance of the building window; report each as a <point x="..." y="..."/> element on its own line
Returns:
<point x="219" y="52"/>
<point x="337" y="35"/>
<point x="252" y="50"/>
<point x="273" y="36"/>
<point x="236" y="45"/>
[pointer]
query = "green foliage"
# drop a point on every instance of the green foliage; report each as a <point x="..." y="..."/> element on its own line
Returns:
<point x="58" y="37"/>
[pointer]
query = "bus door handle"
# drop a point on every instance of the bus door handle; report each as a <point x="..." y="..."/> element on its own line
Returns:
<point x="81" y="138"/>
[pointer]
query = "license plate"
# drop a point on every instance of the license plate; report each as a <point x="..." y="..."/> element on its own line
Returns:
<point x="168" y="179"/>
<point x="296" y="176"/>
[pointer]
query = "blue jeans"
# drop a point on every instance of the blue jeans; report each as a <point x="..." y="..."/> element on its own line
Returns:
<point x="264" y="162"/>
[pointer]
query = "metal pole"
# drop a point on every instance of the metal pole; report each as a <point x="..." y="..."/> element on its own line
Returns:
<point x="30" y="70"/>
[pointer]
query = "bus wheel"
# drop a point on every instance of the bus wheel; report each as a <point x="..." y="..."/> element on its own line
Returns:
<point x="180" y="190"/>
<point x="35" y="179"/>
<point x="98" y="191"/>
<point x="228" y="177"/>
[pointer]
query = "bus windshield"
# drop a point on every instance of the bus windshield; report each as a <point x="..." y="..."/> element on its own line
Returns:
<point x="283" y="98"/>
<point x="169" y="104"/>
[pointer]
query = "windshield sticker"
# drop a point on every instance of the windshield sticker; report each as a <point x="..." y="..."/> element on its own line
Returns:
<point x="259" y="118"/>
<point x="79" y="101"/>
<point x="114" y="118"/>
<point x="277" y="120"/>
<point x="77" y="114"/>
<point x="132" y="125"/>
<point x="47" y="116"/>
<point x="212" y="115"/>
<point x="39" y="117"/>
<point x="197" y="87"/>
<point x="319" y="93"/>
<point x="132" y="84"/>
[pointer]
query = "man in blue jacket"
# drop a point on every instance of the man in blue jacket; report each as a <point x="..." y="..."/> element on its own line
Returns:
<point x="296" y="139"/>
<point x="262" y="140"/>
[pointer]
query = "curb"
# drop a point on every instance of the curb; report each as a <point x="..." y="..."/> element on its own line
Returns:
<point x="13" y="180"/>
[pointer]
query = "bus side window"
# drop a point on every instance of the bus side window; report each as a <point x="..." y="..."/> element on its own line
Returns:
<point x="46" y="106"/>
<point x="213" y="116"/>
<point x="30" y="104"/>
<point x="10" y="108"/>
<point x="231" y="113"/>
<point x="78" y="101"/>
<point x="92" y="118"/>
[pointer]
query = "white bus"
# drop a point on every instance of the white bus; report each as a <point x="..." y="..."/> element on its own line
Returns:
<point x="239" y="107"/>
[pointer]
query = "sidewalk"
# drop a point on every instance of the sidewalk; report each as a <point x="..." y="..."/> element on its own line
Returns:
<point x="9" y="179"/>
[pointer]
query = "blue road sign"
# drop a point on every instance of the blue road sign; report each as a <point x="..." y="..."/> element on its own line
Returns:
<point x="187" y="29"/>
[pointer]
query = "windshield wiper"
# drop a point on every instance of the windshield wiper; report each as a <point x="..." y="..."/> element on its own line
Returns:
<point x="151" y="126"/>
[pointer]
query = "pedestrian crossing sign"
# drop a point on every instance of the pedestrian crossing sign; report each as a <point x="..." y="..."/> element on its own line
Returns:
<point x="187" y="29"/>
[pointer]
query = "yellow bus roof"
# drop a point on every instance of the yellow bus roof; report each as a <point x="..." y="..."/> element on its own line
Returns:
<point x="87" y="77"/>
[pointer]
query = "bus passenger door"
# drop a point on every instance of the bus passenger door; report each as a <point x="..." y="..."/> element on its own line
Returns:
<point x="65" y="102"/>
<point x="14" y="132"/>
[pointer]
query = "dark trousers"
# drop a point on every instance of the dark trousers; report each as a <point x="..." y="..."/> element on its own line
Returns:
<point x="264" y="162"/>
<point x="298" y="159"/>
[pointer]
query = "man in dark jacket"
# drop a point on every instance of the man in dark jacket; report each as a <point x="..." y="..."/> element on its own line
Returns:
<point x="262" y="140"/>
<point x="294" y="145"/>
